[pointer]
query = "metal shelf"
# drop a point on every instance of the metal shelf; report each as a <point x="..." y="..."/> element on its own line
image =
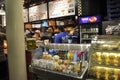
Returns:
<point x="104" y="65"/>
<point x="89" y="32"/>
<point x="86" y="38"/>
<point x="54" y="74"/>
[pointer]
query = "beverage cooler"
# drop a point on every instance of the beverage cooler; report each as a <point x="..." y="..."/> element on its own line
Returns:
<point x="60" y="61"/>
<point x="89" y="26"/>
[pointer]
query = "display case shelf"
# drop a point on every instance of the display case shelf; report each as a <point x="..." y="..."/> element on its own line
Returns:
<point x="103" y="65"/>
<point x="88" y="32"/>
<point x="86" y="38"/>
<point x="80" y="76"/>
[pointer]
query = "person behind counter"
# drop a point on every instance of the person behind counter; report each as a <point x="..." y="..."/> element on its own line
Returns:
<point x="61" y="37"/>
<point x="37" y="34"/>
<point x="29" y="32"/>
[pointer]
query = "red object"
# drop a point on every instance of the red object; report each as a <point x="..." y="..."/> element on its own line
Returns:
<point x="93" y="19"/>
<point x="79" y="54"/>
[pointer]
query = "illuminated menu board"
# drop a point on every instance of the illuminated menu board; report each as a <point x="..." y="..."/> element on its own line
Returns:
<point x="25" y="15"/>
<point x="61" y="8"/>
<point x="38" y="12"/>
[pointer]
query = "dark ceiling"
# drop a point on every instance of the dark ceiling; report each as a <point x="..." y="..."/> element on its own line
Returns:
<point x="2" y="1"/>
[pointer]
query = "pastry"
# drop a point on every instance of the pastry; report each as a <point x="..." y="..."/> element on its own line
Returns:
<point x="60" y="61"/>
<point x="56" y="58"/>
<point x="111" y="77"/>
<point x="112" y="56"/>
<point x="102" y="77"/>
<point x="104" y="55"/>
<point x="111" y="72"/>
<point x="63" y="66"/>
<point x="44" y="56"/>
<point x="66" y="62"/>
<point x="49" y="56"/>
<point x="118" y="58"/>
<point x="102" y="71"/>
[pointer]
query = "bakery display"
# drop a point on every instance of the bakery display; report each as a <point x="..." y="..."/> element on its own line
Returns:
<point x="105" y="57"/>
<point x="55" y="63"/>
<point x="63" y="59"/>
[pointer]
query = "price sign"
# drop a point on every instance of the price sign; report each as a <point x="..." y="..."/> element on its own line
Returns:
<point x="31" y="44"/>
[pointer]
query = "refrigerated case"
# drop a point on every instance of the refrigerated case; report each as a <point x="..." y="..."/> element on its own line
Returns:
<point x="61" y="61"/>
<point x="105" y="57"/>
<point x="90" y="26"/>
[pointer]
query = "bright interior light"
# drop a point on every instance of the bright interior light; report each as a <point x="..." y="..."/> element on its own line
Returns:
<point x="2" y="12"/>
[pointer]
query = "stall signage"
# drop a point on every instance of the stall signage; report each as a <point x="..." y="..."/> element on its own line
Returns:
<point x="31" y="44"/>
<point x="25" y="15"/>
<point x="38" y="12"/>
<point x="61" y="8"/>
<point x="89" y="19"/>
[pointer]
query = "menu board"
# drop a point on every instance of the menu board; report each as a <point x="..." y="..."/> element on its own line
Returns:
<point x="25" y="15"/>
<point x="38" y="12"/>
<point x="61" y="8"/>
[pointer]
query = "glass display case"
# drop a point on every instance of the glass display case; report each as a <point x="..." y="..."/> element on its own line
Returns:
<point x="105" y="57"/>
<point x="63" y="60"/>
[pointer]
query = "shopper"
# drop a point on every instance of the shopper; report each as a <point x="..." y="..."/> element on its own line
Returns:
<point x="62" y="36"/>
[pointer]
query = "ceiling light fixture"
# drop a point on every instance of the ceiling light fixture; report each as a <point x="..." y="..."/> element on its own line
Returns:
<point x="2" y="11"/>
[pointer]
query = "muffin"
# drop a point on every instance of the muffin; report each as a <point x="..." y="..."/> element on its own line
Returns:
<point x="60" y="61"/>
<point x="48" y="56"/>
<point x="111" y="72"/>
<point x="102" y="71"/>
<point x="102" y="77"/>
<point x="66" y="62"/>
<point x="111" y="77"/>
<point x="56" y="58"/>
<point x="97" y="57"/>
<point x="118" y="59"/>
<point x="112" y="58"/>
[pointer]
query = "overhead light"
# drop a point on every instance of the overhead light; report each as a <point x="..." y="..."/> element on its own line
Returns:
<point x="2" y="11"/>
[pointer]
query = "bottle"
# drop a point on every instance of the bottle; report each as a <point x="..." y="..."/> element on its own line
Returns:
<point x="75" y="57"/>
<point x="68" y="55"/>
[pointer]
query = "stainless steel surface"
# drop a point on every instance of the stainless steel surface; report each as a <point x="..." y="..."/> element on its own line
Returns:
<point x="82" y="47"/>
<point x="84" y="70"/>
